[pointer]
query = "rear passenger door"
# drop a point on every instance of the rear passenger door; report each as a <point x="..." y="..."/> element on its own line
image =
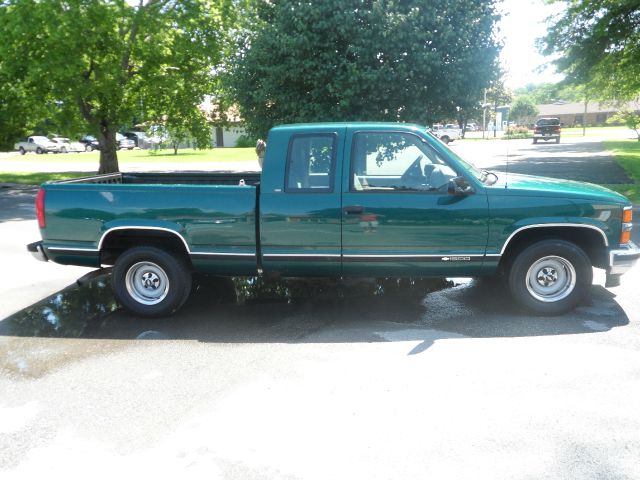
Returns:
<point x="301" y="221"/>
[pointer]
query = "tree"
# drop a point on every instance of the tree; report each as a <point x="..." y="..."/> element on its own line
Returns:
<point x="103" y="63"/>
<point x="523" y="111"/>
<point x="629" y="118"/>
<point x="346" y="60"/>
<point x="599" y="45"/>
<point x="192" y="127"/>
<point x="552" y="92"/>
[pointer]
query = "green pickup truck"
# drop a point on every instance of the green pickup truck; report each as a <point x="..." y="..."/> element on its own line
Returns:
<point x="339" y="200"/>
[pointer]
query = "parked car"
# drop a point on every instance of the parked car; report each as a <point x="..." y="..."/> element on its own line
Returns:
<point x="547" y="129"/>
<point x="67" y="145"/>
<point x="137" y="137"/>
<point x="124" y="142"/>
<point x="143" y="140"/>
<point x="314" y="211"/>
<point x="472" y="127"/>
<point x="448" y="133"/>
<point x="38" y="144"/>
<point x="90" y="143"/>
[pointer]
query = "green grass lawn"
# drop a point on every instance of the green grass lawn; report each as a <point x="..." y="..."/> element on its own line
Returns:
<point x="125" y="157"/>
<point x="145" y="156"/>
<point x="627" y="154"/>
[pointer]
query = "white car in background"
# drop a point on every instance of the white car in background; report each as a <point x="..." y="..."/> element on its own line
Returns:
<point x="448" y="133"/>
<point x="67" y="146"/>
<point x="38" y="144"/>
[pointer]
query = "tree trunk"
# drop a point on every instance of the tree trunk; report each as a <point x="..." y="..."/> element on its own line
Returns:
<point x="108" y="149"/>
<point x="175" y="148"/>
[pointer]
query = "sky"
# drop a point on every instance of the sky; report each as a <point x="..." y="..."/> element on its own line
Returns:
<point x="524" y="21"/>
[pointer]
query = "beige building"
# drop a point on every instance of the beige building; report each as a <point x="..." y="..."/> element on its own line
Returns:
<point x="572" y="114"/>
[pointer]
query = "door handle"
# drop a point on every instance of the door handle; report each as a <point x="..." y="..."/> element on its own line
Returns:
<point x="353" y="210"/>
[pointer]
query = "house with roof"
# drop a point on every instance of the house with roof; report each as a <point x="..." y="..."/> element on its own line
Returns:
<point x="576" y="113"/>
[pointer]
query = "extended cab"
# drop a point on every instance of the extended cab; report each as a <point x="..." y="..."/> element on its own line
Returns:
<point x="336" y="199"/>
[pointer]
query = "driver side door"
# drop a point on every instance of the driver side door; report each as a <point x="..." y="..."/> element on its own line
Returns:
<point x="397" y="217"/>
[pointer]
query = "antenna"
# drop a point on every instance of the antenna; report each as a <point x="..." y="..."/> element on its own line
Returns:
<point x="506" y="176"/>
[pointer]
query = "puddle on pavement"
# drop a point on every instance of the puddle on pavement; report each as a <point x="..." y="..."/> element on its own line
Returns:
<point x="82" y="311"/>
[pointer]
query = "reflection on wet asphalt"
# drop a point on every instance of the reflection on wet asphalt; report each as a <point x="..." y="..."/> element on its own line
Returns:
<point x="84" y="311"/>
<point x="246" y="310"/>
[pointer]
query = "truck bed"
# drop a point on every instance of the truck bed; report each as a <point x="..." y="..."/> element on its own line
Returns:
<point x="173" y="178"/>
<point x="211" y="215"/>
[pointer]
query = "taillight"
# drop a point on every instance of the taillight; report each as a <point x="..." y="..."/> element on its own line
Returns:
<point x="40" y="209"/>
<point x="627" y="224"/>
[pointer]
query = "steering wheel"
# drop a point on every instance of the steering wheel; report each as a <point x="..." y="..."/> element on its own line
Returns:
<point x="413" y="177"/>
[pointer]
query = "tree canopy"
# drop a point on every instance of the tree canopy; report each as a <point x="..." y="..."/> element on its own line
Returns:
<point x="96" y="65"/>
<point x="598" y="43"/>
<point x="523" y="111"/>
<point x="342" y="60"/>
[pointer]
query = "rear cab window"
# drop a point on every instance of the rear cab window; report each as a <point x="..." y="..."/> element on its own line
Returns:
<point x="311" y="162"/>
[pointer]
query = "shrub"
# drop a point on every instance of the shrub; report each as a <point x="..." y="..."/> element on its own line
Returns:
<point x="245" y="141"/>
<point x="517" y="132"/>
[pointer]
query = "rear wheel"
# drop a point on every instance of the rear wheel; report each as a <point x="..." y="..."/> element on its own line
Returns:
<point x="550" y="277"/>
<point x="39" y="151"/>
<point x="22" y="151"/>
<point x="151" y="282"/>
<point x="63" y="150"/>
<point x="89" y="148"/>
<point x="445" y="139"/>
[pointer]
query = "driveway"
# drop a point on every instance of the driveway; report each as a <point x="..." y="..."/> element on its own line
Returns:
<point x="454" y="383"/>
<point x="583" y="159"/>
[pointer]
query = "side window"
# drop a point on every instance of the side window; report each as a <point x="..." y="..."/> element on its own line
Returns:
<point x="311" y="163"/>
<point x="396" y="161"/>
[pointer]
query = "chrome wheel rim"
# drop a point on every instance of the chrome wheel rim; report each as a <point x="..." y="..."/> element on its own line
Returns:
<point x="147" y="283"/>
<point x="551" y="279"/>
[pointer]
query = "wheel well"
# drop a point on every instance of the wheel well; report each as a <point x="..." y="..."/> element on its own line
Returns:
<point x="117" y="242"/>
<point x="587" y="239"/>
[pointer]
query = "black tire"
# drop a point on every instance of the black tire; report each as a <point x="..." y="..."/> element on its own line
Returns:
<point x="550" y="277"/>
<point x="535" y="140"/>
<point x="151" y="282"/>
<point x="88" y="148"/>
<point x="39" y="151"/>
<point x="22" y="151"/>
<point x="445" y="139"/>
<point x="558" y="140"/>
<point x="63" y="150"/>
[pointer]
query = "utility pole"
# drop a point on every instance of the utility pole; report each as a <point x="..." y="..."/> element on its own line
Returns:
<point x="484" y="113"/>
<point x="584" y="118"/>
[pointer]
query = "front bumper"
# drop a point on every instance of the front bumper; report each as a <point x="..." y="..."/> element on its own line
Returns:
<point x="37" y="250"/>
<point x="623" y="259"/>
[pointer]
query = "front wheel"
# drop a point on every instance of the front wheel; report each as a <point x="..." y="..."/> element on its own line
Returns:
<point x="39" y="151"/>
<point x="550" y="277"/>
<point x="89" y="148"/>
<point x="151" y="282"/>
<point x="22" y="151"/>
<point x="445" y="140"/>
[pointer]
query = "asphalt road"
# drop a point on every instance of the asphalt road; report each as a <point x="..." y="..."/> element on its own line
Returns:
<point x="454" y="384"/>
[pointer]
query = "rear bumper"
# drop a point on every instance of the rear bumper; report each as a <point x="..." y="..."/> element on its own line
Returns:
<point x="37" y="250"/>
<point x="623" y="259"/>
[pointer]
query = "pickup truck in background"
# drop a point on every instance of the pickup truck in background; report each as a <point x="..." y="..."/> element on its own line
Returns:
<point x="447" y="133"/>
<point x="339" y="200"/>
<point x="546" y="129"/>
<point x="38" y="144"/>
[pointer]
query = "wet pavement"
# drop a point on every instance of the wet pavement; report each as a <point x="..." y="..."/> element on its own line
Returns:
<point x="317" y="380"/>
